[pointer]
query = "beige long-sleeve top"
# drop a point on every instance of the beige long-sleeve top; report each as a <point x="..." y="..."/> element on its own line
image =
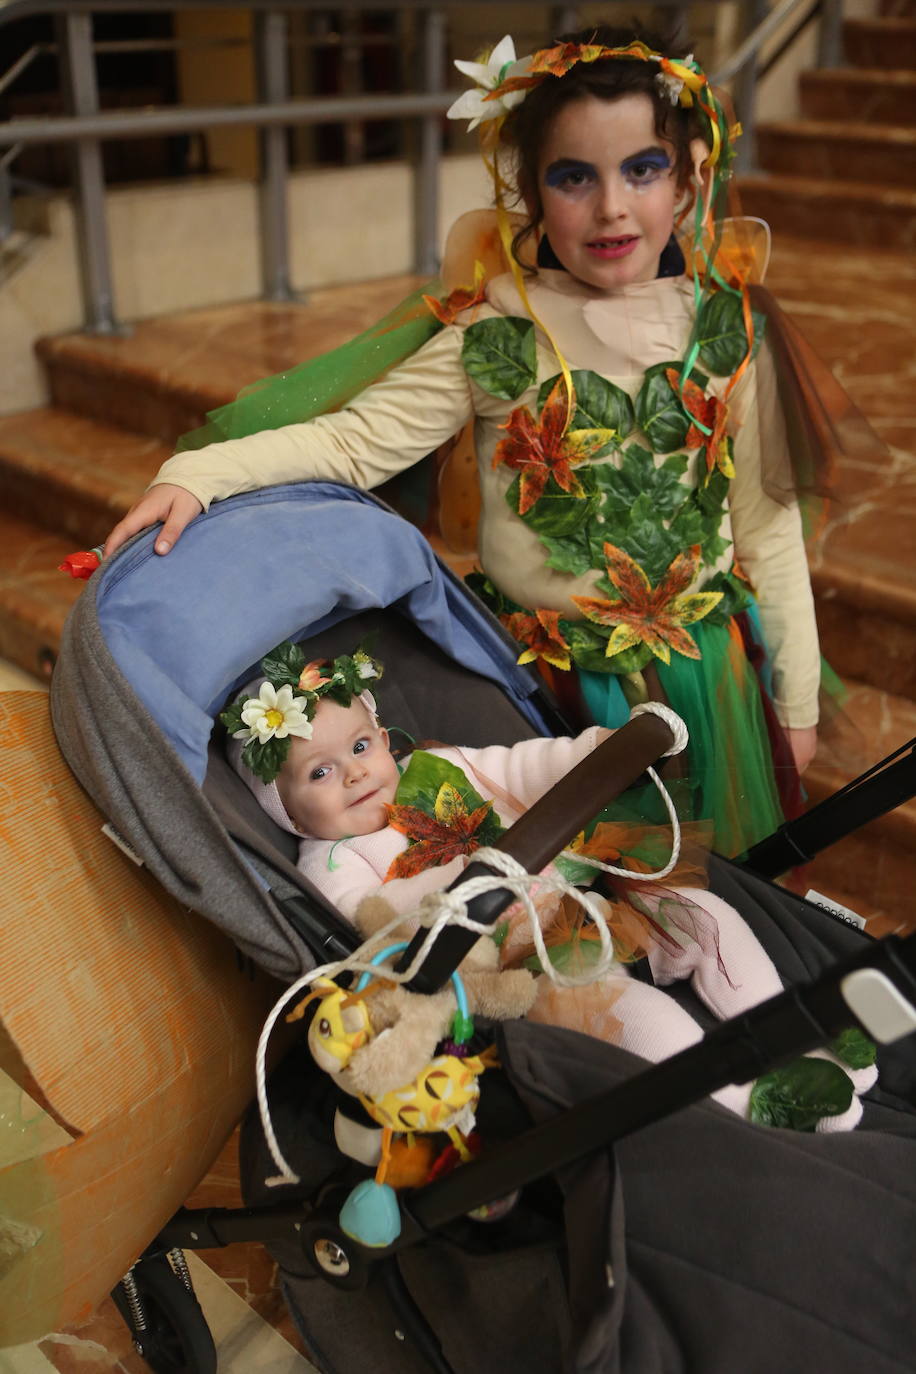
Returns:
<point x="429" y="397"/>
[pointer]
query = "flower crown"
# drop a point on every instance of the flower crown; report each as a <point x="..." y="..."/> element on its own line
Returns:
<point x="503" y="81"/>
<point x="287" y="701"/>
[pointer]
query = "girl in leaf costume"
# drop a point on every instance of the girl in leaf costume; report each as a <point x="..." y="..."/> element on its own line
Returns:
<point x="637" y="526"/>
<point x="376" y="838"/>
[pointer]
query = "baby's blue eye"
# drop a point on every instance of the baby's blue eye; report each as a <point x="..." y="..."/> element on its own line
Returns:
<point x="318" y="773"/>
<point x="361" y="746"/>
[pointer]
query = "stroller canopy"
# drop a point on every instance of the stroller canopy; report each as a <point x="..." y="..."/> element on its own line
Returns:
<point x="155" y="646"/>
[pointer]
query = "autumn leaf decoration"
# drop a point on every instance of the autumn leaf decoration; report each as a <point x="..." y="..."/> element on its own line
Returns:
<point x="436" y="839"/>
<point x="709" y="434"/>
<point x="462" y="298"/>
<point x="654" y="616"/>
<point x="541" y="635"/>
<point x="544" y="448"/>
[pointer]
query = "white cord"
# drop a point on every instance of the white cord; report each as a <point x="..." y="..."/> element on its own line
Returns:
<point x="440" y="909"/>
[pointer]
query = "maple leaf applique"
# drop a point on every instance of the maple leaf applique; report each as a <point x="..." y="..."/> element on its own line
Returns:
<point x="545" y="448"/>
<point x="541" y="635"/>
<point x="462" y="298"/>
<point x="712" y="414"/>
<point x="654" y="616"/>
<point x="436" y="839"/>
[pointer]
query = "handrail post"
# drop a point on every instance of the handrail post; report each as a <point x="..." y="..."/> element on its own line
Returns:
<point x="830" y="34"/>
<point x="272" y="41"/>
<point x="745" y="94"/>
<point x="81" y="96"/>
<point x="563" y="19"/>
<point x="428" y="157"/>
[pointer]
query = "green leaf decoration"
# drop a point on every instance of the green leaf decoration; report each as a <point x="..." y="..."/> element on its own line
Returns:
<point x="576" y="871"/>
<point x="799" y="1094"/>
<point x="557" y="512"/>
<point x="649" y="543"/>
<point x="571" y="554"/>
<point x="721" y="334"/>
<point x="588" y="647"/>
<point x="232" y="716"/>
<point x="266" y="760"/>
<point x="735" y="597"/>
<point x="659" y="412"/>
<point x="487" y="592"/>
<point x="419" y="786"/>
<point x="711" y="495"/>
<point x="599" y="405"/>
<point x="499" y="355"/>
<point x="638" y="474"/>
<point x="575" y="956"/>
<point x="284" y="664"/>
<point x="854" y="1048"/>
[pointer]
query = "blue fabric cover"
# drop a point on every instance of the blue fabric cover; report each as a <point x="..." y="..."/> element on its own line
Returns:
<point x="279" y="563"/>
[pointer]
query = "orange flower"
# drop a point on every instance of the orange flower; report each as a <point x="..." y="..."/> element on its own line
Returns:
<point x="712" y="414"/>
<point x="541" y="633"/>
<point x="462" y="298"/>
<point x="541" y="449"/>
<point x="312" y="676"/>
<point x="435" y="840"/>
<point x="654" y="616"/>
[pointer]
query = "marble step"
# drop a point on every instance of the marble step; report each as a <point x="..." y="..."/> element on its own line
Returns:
<point x="163" y="377"/>
<point x="839" y="150"/>
<point x="71" y="474"/>
<point x="883" y="42"/>
<point x="872" y="96"/>
<point x="852" y="212"/>
<point x="871" y="870"/>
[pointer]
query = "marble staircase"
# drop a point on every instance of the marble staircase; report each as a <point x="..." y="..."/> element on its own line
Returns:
<point x="846" y="170"/>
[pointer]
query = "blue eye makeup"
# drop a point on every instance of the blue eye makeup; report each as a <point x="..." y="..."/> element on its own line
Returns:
<point x="646" y="167"/>
<point x="569" y="174"/>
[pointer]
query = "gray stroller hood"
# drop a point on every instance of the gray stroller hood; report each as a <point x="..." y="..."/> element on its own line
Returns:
<point x="155" y="646"/>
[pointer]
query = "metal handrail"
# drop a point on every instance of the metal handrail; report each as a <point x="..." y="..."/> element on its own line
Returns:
<point x="86" y="125"/>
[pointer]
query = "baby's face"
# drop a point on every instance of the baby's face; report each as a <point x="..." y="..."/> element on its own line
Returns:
<point x="337" y="783"/>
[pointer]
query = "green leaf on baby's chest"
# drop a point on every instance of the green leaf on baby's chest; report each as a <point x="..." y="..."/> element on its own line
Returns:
<point x="599" y="404"/>
<point x="422" y="780"/>
<point x="500" y="356"/>
<point x="721" y="332"/>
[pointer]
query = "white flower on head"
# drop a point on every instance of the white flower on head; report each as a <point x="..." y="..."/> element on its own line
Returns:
<point x="273" y="714"/>
<point x="486" y="76"/>
<point x="671" y="86"/>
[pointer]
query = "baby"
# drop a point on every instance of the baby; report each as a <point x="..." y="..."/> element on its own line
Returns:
<point x="319" y="764"/>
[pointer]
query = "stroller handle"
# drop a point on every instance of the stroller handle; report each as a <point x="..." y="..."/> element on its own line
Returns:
<point x="540" y="835"/>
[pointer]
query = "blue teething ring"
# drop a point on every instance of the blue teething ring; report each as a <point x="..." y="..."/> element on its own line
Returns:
<point x="457" y="984"/>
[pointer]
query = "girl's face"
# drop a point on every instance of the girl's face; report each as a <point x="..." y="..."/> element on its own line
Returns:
<point x="608" y="189"/>
<point x="337" y="783"/>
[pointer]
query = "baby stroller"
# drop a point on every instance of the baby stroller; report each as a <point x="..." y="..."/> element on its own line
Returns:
<point x="646" y="1238"/>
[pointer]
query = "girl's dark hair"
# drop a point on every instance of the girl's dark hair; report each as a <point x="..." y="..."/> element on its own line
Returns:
<point x="526" y="128"/>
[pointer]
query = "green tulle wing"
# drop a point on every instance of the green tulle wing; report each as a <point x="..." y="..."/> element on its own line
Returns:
<point x="323" y="384"/>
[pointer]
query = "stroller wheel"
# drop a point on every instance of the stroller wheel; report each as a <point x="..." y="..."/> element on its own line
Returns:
<point x="165" y="1319"/>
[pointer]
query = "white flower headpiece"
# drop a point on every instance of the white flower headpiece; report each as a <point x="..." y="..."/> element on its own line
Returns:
<point x="266" y="723"/>
<point x="487" y="76"/>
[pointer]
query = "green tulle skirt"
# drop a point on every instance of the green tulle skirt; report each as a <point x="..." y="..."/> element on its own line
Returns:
<point x="739" y="776"/>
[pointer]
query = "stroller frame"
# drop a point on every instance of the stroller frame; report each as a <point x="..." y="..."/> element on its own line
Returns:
<point x="800" y="1019"/>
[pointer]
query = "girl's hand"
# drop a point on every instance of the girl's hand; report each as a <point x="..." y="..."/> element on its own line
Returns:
<point x="803" y="743"/>
<point x="174" y="506"/>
